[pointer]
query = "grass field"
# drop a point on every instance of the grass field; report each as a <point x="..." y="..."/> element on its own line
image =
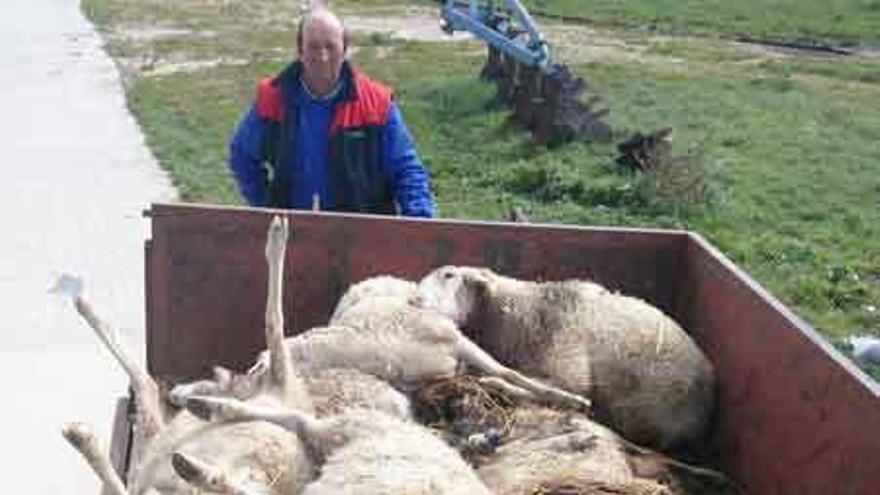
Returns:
<point x="841" y="20"/>
<point x="790" y="144"/>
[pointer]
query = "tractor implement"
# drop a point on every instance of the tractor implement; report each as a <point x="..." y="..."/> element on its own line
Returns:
<point x="546" y="96"/>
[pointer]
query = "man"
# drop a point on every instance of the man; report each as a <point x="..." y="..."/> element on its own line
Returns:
<point x="321" y="134"/>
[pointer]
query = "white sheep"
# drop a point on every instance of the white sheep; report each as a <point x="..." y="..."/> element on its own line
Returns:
<point x="380" y="286"/>
<point x="331" y="376"/>
<point x="379" y="330"/>
<point x="259" y="457"/>
<point x="336" y="389"/>
<point x="646" y="376"/>
<point x="331" y="390"/>
<point x="393" y="339"/>
<point x="363" y="451"/>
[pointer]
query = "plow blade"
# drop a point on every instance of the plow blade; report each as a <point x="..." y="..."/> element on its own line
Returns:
<point x="554" y="104"/>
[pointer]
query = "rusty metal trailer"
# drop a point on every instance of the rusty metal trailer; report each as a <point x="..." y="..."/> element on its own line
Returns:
<point x="794" y="415"/>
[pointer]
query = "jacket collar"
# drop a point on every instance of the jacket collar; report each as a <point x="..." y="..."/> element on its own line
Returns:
<point x="288" y="82"/>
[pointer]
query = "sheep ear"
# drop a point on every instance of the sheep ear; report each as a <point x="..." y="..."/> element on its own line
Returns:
<point x="482" y="282"/>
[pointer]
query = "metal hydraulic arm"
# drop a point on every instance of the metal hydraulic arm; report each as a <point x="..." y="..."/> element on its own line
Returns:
<point x="511" y="30"/>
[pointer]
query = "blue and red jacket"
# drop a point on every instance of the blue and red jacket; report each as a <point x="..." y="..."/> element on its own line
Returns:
<point x="355" y="153"/>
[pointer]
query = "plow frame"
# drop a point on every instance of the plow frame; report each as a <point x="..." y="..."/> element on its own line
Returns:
<point x="513" y="32"/>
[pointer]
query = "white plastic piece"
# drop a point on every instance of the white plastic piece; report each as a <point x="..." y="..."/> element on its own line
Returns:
<point x="865" y="348"/>
<point x="68" y="285"/>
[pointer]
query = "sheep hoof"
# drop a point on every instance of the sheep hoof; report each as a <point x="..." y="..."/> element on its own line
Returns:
<point x="200" y="474"/>
<point x="178" y="395"/>
<point x="578" y="403"/>
<point x="277" y="238"/>
<point x="187" y="468"/>
<point x="78" y="434"/>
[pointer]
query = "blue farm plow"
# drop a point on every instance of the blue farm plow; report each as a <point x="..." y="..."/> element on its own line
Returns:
<point x="547" y="98"/>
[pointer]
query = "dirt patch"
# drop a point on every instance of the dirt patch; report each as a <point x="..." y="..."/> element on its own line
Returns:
<point x="580" y="44"/>
<point x="140" y="33"/>
<point x="150" y="66"/>
<point x="168" y="68"/>
<point x="419" y="24"/>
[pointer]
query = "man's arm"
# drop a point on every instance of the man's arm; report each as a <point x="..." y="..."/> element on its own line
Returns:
<point x="246" y="159"/>
<point x="410" y="181"/>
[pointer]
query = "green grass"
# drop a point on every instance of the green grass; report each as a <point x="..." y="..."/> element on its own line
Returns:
<point x="790" y="147"/>
<point x="799" y="171"/>
<point x="226" y="15"/>
<point x="845" y="20"/>
<point x="839" y="20"/>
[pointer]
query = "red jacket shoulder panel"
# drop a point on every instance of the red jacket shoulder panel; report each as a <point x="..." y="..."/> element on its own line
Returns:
<point x="369" y="108"/>
<point x="269" y="102"/>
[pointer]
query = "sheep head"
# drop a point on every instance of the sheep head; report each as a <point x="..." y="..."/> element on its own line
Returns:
<point x="456" y="291"/>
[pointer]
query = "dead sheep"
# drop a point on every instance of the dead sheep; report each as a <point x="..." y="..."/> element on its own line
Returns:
<point x="380" y="286"/>
<point x="380" y="331"/>
<point x="385" y="334"/>
<point x="259" y="457"/>
<point x="550" y="449"/>
<point x="337" y="389"/>
<point x="159" y="433"/>
<point x="330" y="390"/>
<point x="544" y="450"/>
<point x="362" y="451"/>
<point x="335" y="382"/>
<point x="646" y="376"/>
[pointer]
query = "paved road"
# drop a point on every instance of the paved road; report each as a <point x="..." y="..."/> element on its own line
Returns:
<point x="76" y="176"/>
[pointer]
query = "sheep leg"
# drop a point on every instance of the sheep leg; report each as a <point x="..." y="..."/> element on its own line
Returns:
<point x="179" y="393"/>
<point x="221" y="384"/>
<point x="207" y="477"/>
<point x="149" y="420"/>
<point x="83" y="439"/>
<point x="646" y="462"/>
<point x="226" y="383"/>
<point x="227" y="409"/>
<point x="281" y="371"/>
<point x="473" y="355"/>
<point x="505" y="387"/>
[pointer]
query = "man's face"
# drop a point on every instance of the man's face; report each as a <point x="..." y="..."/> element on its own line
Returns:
<point x="322" y="52"/>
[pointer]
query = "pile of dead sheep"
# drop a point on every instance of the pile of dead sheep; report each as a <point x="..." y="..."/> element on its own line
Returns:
<point x="467" y="382"/>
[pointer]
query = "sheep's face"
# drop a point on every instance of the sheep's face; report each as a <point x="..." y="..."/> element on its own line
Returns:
<point x="453" y="291"/>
